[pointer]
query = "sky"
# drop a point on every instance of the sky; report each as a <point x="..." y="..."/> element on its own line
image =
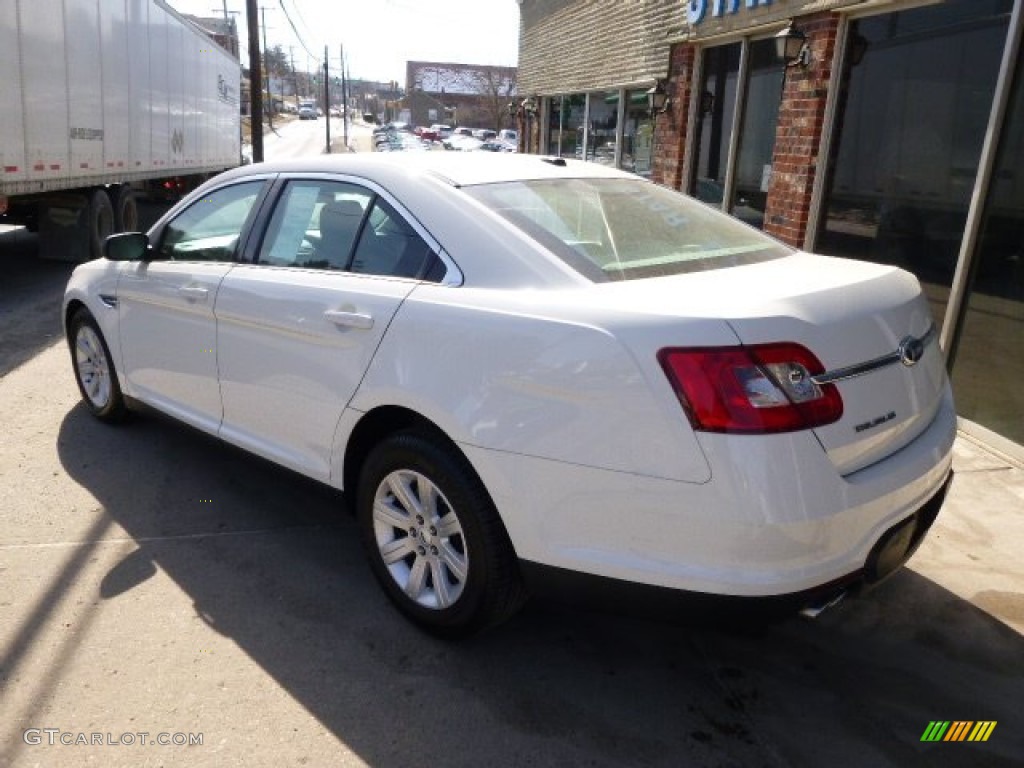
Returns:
<point x="379" y="36"/>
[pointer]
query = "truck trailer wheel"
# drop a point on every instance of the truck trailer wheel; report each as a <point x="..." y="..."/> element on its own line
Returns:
<point x="101" y="221"/>
<point x="126" y="209"/>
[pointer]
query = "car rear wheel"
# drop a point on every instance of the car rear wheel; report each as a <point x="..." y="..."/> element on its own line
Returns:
<point x="434" y="538"/>
<point x="94" y="371"/>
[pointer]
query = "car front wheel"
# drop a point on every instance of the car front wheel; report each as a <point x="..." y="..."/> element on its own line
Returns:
<point x="434" y="539"/>
<point x="94" y="371"/>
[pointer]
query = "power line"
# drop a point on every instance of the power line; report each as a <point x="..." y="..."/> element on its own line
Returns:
<point x="294" y="30"/>
<point x="302" y="19"/>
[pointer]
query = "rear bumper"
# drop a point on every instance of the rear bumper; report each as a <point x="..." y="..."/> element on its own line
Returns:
<point x="891" y="551"/>
<point x="899" y="543"/>
<point x="775" y="518"/>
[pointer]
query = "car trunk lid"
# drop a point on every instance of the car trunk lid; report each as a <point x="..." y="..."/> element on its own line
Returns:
<point x="869" y="325"/>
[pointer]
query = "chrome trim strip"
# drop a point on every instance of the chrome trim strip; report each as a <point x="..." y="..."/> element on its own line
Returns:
<point x="859" y="369"/>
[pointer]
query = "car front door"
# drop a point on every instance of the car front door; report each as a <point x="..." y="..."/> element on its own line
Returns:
<point x="298" y="327"/>
<point x="168" y="331"/>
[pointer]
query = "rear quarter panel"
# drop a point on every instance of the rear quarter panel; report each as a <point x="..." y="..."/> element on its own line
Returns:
<point x="503" y="371"/>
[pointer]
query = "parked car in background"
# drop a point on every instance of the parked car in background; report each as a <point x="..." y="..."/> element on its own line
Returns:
<point x="525" y="371"/>
<point x="495" y="145"/>
<point x="442" y="131"/>
<point x="484" y="134"/>
<point x="461" y="142"/>
<point x="509" y="135"/>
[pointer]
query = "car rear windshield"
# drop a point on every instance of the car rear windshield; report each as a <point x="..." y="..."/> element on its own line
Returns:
<point x="625" y="229"/>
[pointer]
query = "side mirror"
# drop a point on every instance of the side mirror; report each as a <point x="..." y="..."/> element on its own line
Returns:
<point x="126" y="246"/>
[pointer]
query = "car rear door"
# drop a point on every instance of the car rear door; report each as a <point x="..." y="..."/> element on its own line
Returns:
<point x="299" y="325"/>
<point x="168" y="330"/>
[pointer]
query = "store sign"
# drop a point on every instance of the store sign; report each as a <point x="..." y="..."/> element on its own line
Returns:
<point x="699" y="9"/>
<point x="715" y="17"/>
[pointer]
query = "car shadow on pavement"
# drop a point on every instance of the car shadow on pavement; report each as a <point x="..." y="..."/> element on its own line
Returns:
<point x="272" y="561"/>
<point x="31" y="290"/>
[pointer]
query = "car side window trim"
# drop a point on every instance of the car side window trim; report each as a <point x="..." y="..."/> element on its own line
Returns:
<point x="164" y="225"/>
<point x="453" y="275"/>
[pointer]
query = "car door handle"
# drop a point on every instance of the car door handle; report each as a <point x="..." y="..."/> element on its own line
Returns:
<point x="349" y="319"/>
<point x="194" y="292"/>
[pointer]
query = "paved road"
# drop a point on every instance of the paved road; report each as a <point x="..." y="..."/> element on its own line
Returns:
<point x="298" y="138"/>
<point x="153" y="580"/>
<point x="302" y="138"/>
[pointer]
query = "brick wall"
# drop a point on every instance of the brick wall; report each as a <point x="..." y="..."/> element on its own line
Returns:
<point x="670" y="128"/>
<point x="795" y="160"/>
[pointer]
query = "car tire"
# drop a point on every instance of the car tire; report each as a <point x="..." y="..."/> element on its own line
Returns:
<point x="94" y="369"/>
<point x="434" y="538"/>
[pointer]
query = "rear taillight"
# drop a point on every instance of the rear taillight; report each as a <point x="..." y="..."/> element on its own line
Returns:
<point x="751" y="390"/>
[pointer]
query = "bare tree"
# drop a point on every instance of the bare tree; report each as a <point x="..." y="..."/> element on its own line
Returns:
<point x="478" y="93"/>
<point x="497" y="87"/>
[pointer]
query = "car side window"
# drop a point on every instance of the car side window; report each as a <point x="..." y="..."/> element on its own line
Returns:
<point x="210" y="228"/>
<point x="315" y="225"/>
<point x="390" y="246"/>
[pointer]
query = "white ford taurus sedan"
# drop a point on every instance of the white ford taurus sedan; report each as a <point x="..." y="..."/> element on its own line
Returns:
<point x="527" y="372"/>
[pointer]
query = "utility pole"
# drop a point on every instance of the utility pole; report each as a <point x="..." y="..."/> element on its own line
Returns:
<point x="295" y="75"/>
<point x="270" y="96"/>
<point x="327" y="101"/>
<point x="344" y="96"/>
<point x="255" y="82"/>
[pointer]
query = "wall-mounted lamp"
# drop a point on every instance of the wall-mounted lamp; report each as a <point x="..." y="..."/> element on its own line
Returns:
<point x="658" y="100"/>
<point x="791" y="47"/>
<point x="526" y="108"/>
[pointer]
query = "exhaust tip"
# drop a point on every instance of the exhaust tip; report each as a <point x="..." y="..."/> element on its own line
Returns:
<point x="814" y="610"/>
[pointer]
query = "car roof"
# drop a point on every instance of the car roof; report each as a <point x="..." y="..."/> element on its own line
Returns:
<point x="491" y="253"/>
<point x="458" y="169"/>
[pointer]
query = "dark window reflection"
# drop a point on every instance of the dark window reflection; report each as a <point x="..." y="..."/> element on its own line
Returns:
<point x="757" y="135"/>
<point x="909" y="137"/>
<point x="717" y="112"/>
<point x="989" y="354"/>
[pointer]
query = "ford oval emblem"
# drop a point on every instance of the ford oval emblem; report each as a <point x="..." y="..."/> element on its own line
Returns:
<point x="911" y="351"/>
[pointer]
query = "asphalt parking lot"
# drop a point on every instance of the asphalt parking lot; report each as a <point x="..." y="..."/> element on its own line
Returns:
<point x="154" y="581"/>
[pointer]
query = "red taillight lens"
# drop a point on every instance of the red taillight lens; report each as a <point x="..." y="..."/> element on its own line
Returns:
<point x="751" y="390"/>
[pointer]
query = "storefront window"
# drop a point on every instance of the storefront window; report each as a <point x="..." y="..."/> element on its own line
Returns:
<point x="909" y="134"/>
<point x="989" y="356"/>
<point x="637" y="134"/>
<point x="565" y="124"/>
<point x="566" y="116"/>
<point x="717" y="112"/>
<point x="604" y="111"/>
<point x="757" y="135"/>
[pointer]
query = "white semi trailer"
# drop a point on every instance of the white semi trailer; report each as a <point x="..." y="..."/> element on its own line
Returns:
<point x="101" y="100"/>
